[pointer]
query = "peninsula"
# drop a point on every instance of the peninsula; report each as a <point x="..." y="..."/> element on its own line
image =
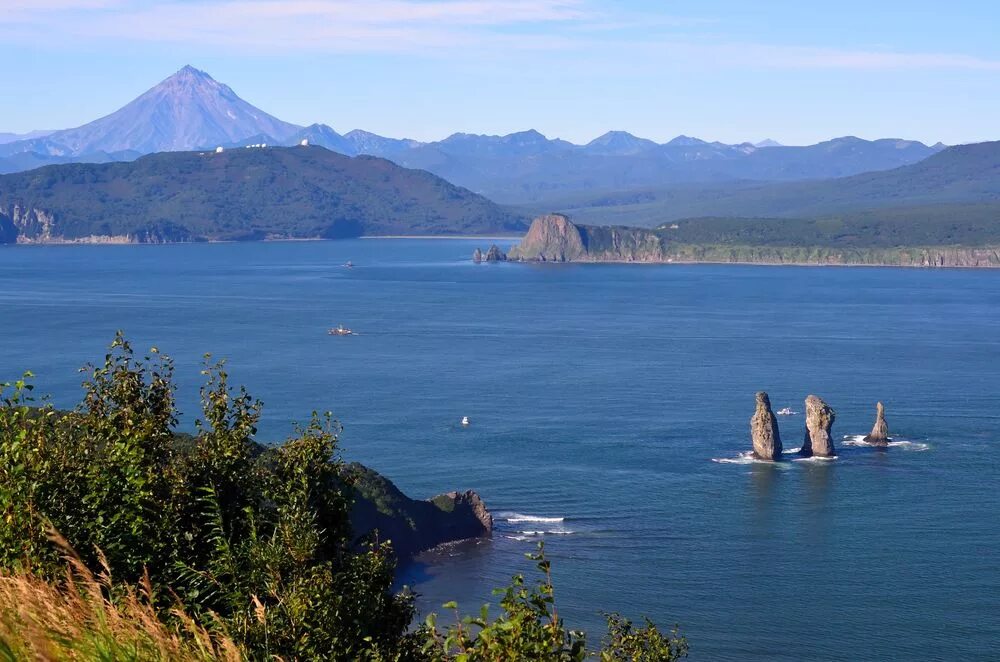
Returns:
<point x="555" y="238"/>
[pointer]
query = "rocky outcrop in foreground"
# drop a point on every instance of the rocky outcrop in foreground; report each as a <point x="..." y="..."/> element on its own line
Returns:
<point x="554" y="238"/>
<point x="880" y="432"/>
<point x="413" y="525"/>
<point x="764" y="430"/>
<point x="819" y="422"/>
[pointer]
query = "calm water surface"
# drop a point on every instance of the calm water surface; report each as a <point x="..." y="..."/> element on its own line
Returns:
<point x="602" y="399"/>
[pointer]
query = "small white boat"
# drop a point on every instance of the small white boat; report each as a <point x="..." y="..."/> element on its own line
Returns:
<point x="341" y="330"/>
<point x="786" y="412"/>
<point x="349" y="264"/>
<point x="465" y="421"/>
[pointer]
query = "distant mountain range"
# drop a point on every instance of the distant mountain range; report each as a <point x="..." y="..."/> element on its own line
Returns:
<point x="240" y="194"/>
<point x="962" y="175"/>
<point x="190" y="110"/>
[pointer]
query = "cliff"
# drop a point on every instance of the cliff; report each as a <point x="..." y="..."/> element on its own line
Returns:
<point x="764" y="432"/>
<point x="554" y="238"/>
<point x="413" y="525"/>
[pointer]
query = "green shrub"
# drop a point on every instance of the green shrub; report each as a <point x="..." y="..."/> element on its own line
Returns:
<point x="254" y="541"/>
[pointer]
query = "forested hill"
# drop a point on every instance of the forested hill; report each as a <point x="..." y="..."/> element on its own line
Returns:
<point x="965" y="174"/>
<point x="239" y="194"/>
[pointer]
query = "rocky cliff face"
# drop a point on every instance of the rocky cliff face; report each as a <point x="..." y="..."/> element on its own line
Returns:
<point x="31" y="225"/>
<point x="551" y="238"/>
<point x="554" y="238"/>
<point x="413" y="525"/>
<point x="27" y="224"/>
<point x="819" y="423"/>
<point x="764" y="430"/>
<point x="930" y="256"/>
<point x="880" y="431"/>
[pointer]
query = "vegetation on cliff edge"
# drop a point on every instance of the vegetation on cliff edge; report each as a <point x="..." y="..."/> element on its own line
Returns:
<point x="218" y="549"/>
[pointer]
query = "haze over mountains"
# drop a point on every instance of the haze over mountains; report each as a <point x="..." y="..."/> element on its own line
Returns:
<point x="190" y="110"/>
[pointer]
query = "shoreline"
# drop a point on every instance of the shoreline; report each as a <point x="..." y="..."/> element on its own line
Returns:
<point x="665" y="263"/>
<point x="494" y="238"/>
<point x="85" y="241"/>
<point x="434" y="236"/>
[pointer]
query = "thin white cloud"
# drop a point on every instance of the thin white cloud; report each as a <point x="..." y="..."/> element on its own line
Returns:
<point x="764" y="56"/>
<point x="291" y="25"/>
<point x="588" y="27"/>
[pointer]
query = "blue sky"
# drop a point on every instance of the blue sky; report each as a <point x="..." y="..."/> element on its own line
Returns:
<point x="798" y="72"/>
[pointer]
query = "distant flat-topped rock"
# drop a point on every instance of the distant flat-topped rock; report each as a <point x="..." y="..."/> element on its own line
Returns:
<point x="819" y="423"/>
<point x="764" y="430"/>
<point x="880" y="431"/>
<point x="554" y="238"/>
<point x="551" y="238"/>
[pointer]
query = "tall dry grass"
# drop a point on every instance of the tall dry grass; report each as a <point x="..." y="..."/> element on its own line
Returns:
<point x="74" y="620"/>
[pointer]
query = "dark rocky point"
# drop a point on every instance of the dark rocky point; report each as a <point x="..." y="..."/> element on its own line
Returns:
<point x="381" y="509"/>
<point x="880" y="432"/>
<point x="764" y="430"/>
<point x="819" y="421"/>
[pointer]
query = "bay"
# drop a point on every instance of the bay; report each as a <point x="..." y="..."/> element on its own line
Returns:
<point x="609" y="408"/>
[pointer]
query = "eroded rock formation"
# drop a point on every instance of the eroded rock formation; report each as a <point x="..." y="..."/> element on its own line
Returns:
<point x="819" y="422"/>
<point x="413" y="525"/>
<point x="551" y="238"/>
<point x="764" y="430"/>
<point x="880" y="431"/>
<point x="494" y="254"/>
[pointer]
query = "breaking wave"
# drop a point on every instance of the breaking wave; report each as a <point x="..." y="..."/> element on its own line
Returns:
<point x="903" y="444"/>
<point x="518" y="518"/>
<point x="743" y="458"/>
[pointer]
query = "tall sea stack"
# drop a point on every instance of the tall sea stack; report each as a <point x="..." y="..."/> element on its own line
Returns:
<point x="880" y="432"/>
<point x="819" y="421"/>
<point x="764" y="430"/>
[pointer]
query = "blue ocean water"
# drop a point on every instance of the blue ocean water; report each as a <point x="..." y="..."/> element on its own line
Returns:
<point x="609" y="408"/>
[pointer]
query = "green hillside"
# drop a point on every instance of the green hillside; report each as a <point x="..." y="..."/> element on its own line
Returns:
<point x="298" y="192"/>
<point x="967" y="175"/>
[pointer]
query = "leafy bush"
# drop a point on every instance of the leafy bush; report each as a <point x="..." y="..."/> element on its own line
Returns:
<point x="254" y="541"/>
<point x="529" y="628"/>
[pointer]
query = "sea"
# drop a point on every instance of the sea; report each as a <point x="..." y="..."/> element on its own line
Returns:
<point x="608" y="409"/>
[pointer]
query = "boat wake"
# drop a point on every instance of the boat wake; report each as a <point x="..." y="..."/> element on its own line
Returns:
<point x="902" y="444"/>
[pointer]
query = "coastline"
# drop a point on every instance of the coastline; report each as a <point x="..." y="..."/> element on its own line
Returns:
<point x="747" y="263"/>
<point x="118" y="241"/>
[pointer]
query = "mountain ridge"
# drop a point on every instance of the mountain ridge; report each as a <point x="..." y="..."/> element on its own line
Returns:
<point x="240" y="194"/>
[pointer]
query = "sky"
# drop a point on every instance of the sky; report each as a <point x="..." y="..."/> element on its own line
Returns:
<point x="728" y="70"/>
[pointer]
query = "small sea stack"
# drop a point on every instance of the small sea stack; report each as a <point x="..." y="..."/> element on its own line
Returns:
<point x="819" y="421"/>
<point x="880" y="432"/>
<point x="764" y="430"/>
<point x="493" y="254"/>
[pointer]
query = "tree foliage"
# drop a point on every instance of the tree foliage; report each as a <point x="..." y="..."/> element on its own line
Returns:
<point x="252" y="542"/>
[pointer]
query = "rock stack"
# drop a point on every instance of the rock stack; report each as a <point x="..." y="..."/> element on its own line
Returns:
<point x="494" y="254"/>
<point x="764" y="430"/>
<point x="880" y="432"/>
<point x="819" y="421"/>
